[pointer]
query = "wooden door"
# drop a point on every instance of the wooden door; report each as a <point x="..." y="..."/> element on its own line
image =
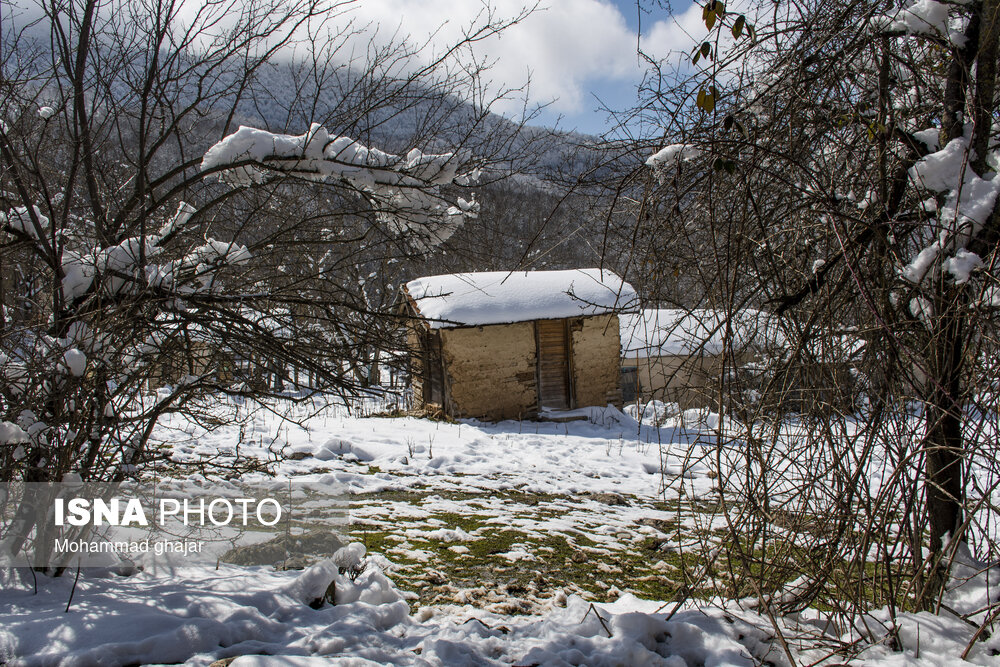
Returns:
<point x="552" y="338"/>
<point x="433" y="370"/>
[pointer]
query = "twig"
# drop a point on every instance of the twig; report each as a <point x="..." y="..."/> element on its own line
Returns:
<point x="684" y="592"/>
<point x="34" y="578"/>
<point x="503" y="629"/>
<point x="73" y="590"/>
<point x="989" y="620"/>
<point x="958" y="616"/>
<point x="599" y="618"/>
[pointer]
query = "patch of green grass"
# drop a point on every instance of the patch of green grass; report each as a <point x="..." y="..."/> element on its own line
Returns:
<point x="374" y="540"/>
<point x="495" y="542"/>
<point x="467" y="522"/>
<point x="391" y="495"/>
<point x="568" y="558"/>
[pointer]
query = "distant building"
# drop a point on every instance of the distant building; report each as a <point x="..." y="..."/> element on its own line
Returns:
<point x="504" y="345"/>
<point x="676" y="356"/>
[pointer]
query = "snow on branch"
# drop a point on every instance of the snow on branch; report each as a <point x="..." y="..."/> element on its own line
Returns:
<point x="11" y="433"/>
<point x="668" y="157"/>
<point x="924" y="17"/>
<point x="20" y="219"/>
<point x="969" y="202"/>
<point x="404" y="190"/>
<point x="124" y="268"/>
<point x="177" y="222"/>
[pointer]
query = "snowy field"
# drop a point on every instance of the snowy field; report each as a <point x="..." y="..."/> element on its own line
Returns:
<point x="518" y="543"/>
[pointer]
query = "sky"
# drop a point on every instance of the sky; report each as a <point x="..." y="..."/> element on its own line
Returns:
<point x="578" y="54"/>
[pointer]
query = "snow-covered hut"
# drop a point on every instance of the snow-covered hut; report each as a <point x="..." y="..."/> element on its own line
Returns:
<point x="676" y="355"/>
<point x="502" y="345"/>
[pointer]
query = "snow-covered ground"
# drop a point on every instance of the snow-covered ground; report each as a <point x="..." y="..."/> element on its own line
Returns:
<point x="452" y="503"/>
<point x="487" y="544"/>
<point x="204" y="615"/>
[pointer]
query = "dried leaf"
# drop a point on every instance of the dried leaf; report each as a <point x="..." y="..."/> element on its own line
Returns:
<point x="738" y="26"/>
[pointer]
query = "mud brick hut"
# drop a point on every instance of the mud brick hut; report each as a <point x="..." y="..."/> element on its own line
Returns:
<point x="676" y="356"/>
<point x="501" y="345"/>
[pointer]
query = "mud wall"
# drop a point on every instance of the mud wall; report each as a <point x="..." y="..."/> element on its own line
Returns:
<point x="596" y="362"/>
<point x="490" y="371"/>
<point x="689" y="381"/>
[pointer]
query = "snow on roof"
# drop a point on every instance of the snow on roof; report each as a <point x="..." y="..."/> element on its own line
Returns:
<point x="500" y="297"/>
<point x="665" y="331"/>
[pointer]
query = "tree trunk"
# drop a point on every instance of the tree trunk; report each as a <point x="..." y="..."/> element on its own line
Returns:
<point x="944" y="445"/>
<point x="943" y="442"/>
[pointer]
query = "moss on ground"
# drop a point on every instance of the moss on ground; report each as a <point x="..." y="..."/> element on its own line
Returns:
<point x="564" y="559"/>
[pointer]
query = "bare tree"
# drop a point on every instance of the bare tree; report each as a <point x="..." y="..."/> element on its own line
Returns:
<point x="833" y="163"/>
<point x="148" y="239"/>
